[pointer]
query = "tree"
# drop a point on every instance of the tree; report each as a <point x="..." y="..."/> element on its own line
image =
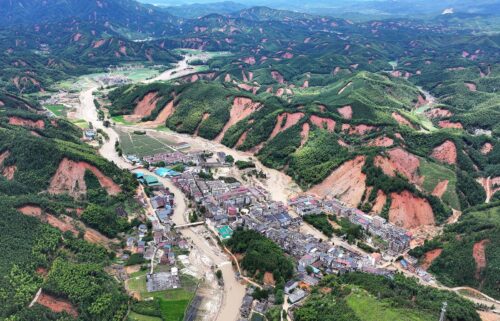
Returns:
<point x="229" y="159"/>
<point x="219" y="274"/>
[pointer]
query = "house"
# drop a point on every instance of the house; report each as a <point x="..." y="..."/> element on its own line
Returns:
<point x="150" y="181"/>
<point x="296" y="296"/>
<point x="290" y="286"/>
<point x="90" y="134"/>
<point x="246" y="306"/>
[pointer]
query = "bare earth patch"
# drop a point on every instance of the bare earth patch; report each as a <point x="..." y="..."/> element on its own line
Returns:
<point x="144" y="107"/>
<point x="291" y="119"/>
<point x="56" y="305"/>
<point x="486" y="148"/>
<point x="471" y="86"/>
<point x="400" y="161"/>
<point x="241" y="109"/>
<point x="69" y="178"/>
<point x="268" y="278"/>
<point x="409" y="211"/>
<point x="429" y="257"/>
<point x="446" y="153"/>
<point x="347" y="182"/>
<point x="64" y="223"/>
<point x="438" y="113"/>
<point x="379" y="202"/>
<point x="401" y="120"/>
<point x="325" y="123"/>
<point x="381" y="141"/>
<point x="18" y="121"/>
<point x="277" y="76"/>
<point x="479" y="254"/>
<point x="440" y="188"/>
<point x="449" y="124"/>
<point x="360" y="129"/>
<point x="304" y="135"/>
<point x="9" y="171"/>
<point x="345" y="112"/>
<point x="203" y="118"/>
<point x="241" y="140"/>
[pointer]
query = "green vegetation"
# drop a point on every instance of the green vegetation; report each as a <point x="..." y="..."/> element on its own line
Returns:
<point x="57" y="110"/>
<point x="456" y="265"/>
<point x="358" y="296"/>
<point x="260" y="255"/>
<point x="320" y="222"/>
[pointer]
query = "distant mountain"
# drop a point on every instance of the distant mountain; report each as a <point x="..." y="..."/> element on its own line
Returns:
<point x="198" y="10"/>
<point x="127" y="14"/>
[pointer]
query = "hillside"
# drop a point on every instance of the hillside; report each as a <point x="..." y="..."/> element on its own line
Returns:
<point x="58" y="219"/>
<point x="466" y="254"/>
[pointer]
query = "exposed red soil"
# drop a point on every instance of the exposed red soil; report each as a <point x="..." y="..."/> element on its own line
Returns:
<point x="9" y="171"/>
<point x="305" y="85"/>
<point x="241" y="109"/>
<point x="249" y="60"/>
<point x="471" y="86"/>
<point x="409" y="211"/>
<point x="490" y="185"/>
<point x="360" y="129"/>
<point x="321" y="122"/>
<point x="2" y="103"/>
<point x="401" y="120"/>
<point x="307" y="40"/>
<point x="399" y="136"/>
<point x="291" y="119"/>
<point x="449" y="124"/>
<point x="277" y="76"/>
<point x="63" y="224"/>
<point x="479" y="254"/>
<point x="382" y="141"/>
<point x="77" y="37"/>
<point x="99" y="43"/>
<point x="57" y="305"/>
<point x="486" y="148"/>
<point x="41" y="271"/>
<point x="69" y="178"/>
<point x="342" y="143"/>
<point x="438" y="113"/>
<point x="227" y="78"/>
<point x="379" y="202"/>
<point x="402" y="162"/>
<point x="429" y="257"/>
<point x="287" y="55"/>
<point x="347" y="182"/>
<point x="144" y="107"/>
<point x="203" y="118"/>
<point x="421" y="101"/>
<point x="241" y="140"/>
<point x="440" y="188"/>
<point x="3" y="156"/>
<point x="165" y="113"/>
<point x="446" y="153"/>
<point x="95" y="237"/>
<point x="18" y="121"/>
<point x="336" y="71"/>
<point x="268" y="279"/>
<point x="280" y="92"/>
<point x="345" y="87"/>
<point x="247" y="87"/>
<point x="304" y="135"/>
<point x="345" y="112"/>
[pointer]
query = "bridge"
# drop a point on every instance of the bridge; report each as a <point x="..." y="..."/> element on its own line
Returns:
<point x="188" y="225"/>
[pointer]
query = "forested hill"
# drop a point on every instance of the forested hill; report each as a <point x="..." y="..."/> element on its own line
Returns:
<point x="58" y="220"/>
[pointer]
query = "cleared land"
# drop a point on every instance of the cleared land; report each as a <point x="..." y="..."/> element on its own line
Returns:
<point x="142" y="145"/>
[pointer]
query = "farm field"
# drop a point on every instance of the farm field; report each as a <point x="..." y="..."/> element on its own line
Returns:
<point x="57" y="110"/>
<point x="367" y="308"/>
<point x="142" y="145"/>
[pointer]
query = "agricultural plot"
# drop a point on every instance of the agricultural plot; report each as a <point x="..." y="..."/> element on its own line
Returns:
<point x="142" y="145"/>
<point x="369" y="308"/>
<point x="58" y="110"/>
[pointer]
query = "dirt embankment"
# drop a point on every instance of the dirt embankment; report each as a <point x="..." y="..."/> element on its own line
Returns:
<point x="304" y="135"/>
<point x="379" y="202"/>
<point x="56" y="305"/>
<point x="291" y="119"/>
<point x="409" y="211"/>
<point x="446" y="152"/>
<point x="479" y="254"/>
<point x="62" y="223"/>
<point x="203" y="118"/>
<point x="241" y="140"/>
<point x="400" y="161"/>
<point x="18" y="121"/>
<point x="278" y="77"/>
<point x="471" y="86"/>
<point x="382" y="141"/>
<point x="440" y="188"/>
<point x="325" y="123"/>
<point x="69" y="178"/>
<point x="438" y="113"/>
<point x="401" y="120"/>
<point x="241" y="109"/>
<point x="347" y="182"/>
<point x="9" y="171"/>
<point x="144" y="107"/>
<point x="490" y="185"/>
<point x="429" y="257"/>
<point x="358" y="129"/>
<point x="345" y="112"/>
<point x="486" y="148"/>
<point x="450" y="124"/>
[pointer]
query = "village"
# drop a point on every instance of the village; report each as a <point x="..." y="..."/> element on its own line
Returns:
<point x="224" y="205"/>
